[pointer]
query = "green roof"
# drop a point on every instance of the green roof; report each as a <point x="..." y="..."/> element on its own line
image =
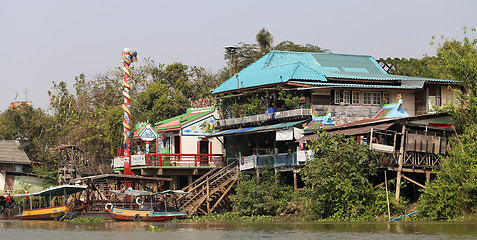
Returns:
<point x="281" y="67"/>
<point x="178" y="121"/>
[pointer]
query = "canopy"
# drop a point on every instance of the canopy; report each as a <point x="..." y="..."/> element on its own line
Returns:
<point x="138" y="193"/>
<point x="57" y="191"/>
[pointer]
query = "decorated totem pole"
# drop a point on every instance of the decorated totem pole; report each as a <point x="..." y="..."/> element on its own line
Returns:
<point x="127" y="58"/>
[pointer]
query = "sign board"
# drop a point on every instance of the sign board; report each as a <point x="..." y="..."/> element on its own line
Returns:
<point x="148" y="134"/>
<point x="248" y="162"/>
<point x="118" y="162"/>
<point x="138" y="160"/>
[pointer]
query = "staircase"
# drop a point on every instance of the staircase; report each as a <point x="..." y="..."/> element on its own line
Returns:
<point x="210" y="191"/>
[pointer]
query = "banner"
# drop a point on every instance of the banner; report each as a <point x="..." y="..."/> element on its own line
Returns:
<point x="248" y="162"/>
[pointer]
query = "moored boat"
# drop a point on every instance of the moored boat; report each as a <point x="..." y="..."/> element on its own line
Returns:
<point x="144" y="212"/>
<point x="49" y="212"/>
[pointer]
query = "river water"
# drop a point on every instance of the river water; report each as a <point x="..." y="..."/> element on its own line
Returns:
<point x="52" y="230"/>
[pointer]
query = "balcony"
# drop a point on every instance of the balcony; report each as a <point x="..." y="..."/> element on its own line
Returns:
<point x="259" y="118"/>
<point x="167" y="160"/>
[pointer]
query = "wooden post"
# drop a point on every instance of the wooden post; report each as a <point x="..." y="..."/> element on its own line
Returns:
<point x="295" y="180"/>
<point x="428" y="176"/>
<point x="387" y="194"/>
<point x="189" y="179"/>
<point x="400" y="162"/>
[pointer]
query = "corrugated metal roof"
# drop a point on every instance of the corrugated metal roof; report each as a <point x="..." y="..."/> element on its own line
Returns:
<point x="12" y="152"/>
<point x="281" y="66"/>
<point x="349" y="85"/>
<point x="249" y="130"/>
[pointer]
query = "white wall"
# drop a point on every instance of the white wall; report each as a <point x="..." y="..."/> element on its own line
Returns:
<point x="2" y="181"/>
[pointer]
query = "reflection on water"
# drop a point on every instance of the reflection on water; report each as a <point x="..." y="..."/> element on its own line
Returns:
<point x="52" y="230"/>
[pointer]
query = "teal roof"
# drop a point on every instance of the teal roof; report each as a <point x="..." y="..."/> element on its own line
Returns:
<point x="281" y="66"/>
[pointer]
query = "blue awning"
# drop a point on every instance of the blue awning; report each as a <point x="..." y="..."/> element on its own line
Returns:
<point x="251" y="130"/>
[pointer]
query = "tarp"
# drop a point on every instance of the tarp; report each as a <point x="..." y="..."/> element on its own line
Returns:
<point x="284" y="135"/>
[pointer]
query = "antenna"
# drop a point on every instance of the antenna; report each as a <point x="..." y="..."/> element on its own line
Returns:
<point x="26" y="94"/>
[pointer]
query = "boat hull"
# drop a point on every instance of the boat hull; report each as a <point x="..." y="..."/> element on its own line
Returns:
<point x="125" y="214"/>
<point x="42" y="213"/>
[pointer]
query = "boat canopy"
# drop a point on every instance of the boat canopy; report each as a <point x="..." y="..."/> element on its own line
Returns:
<point x="56" y="191"/>
<point x="138" y="193"/>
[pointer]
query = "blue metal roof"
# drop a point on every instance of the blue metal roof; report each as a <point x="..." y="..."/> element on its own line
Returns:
<point x="283" y="66"/>
<point x="250" y="130"/>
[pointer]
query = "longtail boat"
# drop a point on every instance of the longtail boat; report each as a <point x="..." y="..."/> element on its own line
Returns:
<point x="144" y="212"/>
<point x="49" y="213"/>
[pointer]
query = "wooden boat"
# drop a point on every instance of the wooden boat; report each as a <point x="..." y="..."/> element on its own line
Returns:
<point x="49" y="213"/>
<point x="144" y="212"/>
<point x="43" y="213"/>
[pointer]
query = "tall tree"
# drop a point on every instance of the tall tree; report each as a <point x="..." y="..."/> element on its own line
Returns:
<point x="454" y="192"/>
<point x="264" y="40"/>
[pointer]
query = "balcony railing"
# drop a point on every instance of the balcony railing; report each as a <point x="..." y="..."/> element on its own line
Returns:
<point x="295" y="113"/>
<point x="172" y="160"/>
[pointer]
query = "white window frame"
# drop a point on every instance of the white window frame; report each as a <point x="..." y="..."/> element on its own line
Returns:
<point x="355" y="96"/>
<point x="371" y="98"/>
<point x="342" y="96"/>
<point x="367" y="98"/>
<point x="376" y="98"/>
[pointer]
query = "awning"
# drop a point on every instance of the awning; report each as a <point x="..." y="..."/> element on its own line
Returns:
<point x="259" y="129"/>
<point x="57" y="191"/>
<point x="349" y="131"/>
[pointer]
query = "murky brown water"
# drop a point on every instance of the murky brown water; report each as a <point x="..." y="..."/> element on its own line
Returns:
<point x="51" y="230"/>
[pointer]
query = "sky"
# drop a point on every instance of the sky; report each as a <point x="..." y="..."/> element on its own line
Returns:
<point x="55" y="40"/>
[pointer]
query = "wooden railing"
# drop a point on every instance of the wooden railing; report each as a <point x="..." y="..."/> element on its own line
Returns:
<point x="174" y="160"/>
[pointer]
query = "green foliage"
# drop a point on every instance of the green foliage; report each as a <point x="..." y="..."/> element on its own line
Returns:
<point x="85" y="220"/>
<point x="33" y="128"/>
<point x="292" y="47"/>
<point x="291" y="101"/>
<point x="453" y="194"/>
<point x="264" y="196"/>
<point x="337" y="179"/>
<point x="230" y="217"/>
<point x="152" y="228"/>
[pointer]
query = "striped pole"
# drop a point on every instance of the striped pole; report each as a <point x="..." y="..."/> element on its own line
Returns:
<point x="127" y="58"/>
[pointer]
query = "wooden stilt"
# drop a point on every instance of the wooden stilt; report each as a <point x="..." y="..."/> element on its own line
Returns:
<point x="387" y="193"/>
<point x="428" y="176"/>
<point x="400" y="162"/>
<point x="295" y="181"/>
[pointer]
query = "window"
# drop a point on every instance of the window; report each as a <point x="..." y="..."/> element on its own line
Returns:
<point x="376" y="98"/>
<point x="355" y="97"/>
<point x="342" y="96"/>
<point x="367" y="98"/>
<point x="371" y="98"/>
<point x="387" y="97"/>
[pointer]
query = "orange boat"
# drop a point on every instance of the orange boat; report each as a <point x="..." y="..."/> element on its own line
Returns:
<point x="144" y="212"/>
<point x="49" y="213"/>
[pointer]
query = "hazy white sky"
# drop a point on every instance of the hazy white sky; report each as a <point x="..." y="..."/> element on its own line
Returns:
<point x="45" y="41"/>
